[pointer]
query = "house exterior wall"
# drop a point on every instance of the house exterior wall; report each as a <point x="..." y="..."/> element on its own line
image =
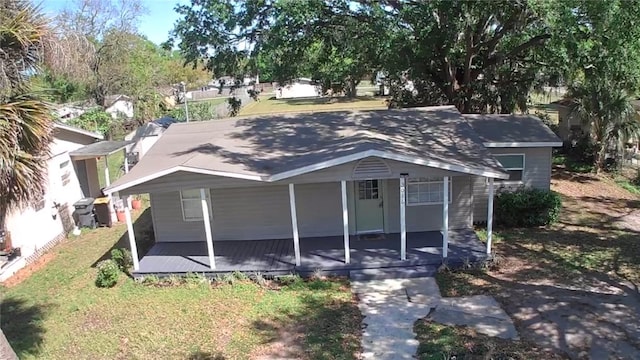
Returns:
<point x="34" y="228"/>
<point x="297" y="90"/>
<point x="566" y="121"/>
<point x="121" y="107"/>
<point x="262" y="212"/>
<point x="253" y="213"/>
<point x="537" y="174"/>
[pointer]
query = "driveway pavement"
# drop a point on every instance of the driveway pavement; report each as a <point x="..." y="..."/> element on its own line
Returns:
<point x="391" y="307"/>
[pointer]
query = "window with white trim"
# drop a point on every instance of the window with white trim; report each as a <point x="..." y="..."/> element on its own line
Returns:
<point x="191" y="205"/>
<point x="65" y="173"/>
<point x="514" y="164"/>
<point x="426" y="191"/>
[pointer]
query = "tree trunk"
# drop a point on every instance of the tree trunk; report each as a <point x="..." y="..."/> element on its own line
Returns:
<point x="600" y="156"/>
<point x="351" y="89"/>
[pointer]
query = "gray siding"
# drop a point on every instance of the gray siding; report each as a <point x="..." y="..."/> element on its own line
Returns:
<point x="429" y="217"/>
<point x="253" y="213"/>
<point x="537" y="174"/>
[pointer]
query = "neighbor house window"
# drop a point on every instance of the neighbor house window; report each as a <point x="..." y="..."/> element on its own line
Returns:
<point x="191" y="205"/>
<point x="514" y="164"/>
<point x="426" y="191"/>
<point x="65" y="173"/>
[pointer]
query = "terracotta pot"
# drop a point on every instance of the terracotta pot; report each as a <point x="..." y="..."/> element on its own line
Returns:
<point x="136" y="204"/>
<point x="120" y="215"/>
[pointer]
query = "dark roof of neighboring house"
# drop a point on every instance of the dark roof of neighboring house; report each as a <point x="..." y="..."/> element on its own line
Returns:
<point x="102" y="148"/>
<point x="274" y="147"/>
<point x="502" y="130"/>
<point x="112" y="99"/>
<point x="563" y="102"/>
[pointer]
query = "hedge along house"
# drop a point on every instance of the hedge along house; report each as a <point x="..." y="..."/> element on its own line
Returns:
<point x="334" y="191"/>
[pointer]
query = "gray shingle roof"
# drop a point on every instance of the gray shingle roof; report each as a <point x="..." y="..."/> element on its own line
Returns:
<point x="506" y="129"/>
<point x="268" y="145"/>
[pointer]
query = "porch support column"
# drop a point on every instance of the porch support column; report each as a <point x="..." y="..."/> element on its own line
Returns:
<point x="403" y="220"/>
<point x="490" y="217"/>
<point x="345" y="222"/>
<point x="107" y="178"/>
<point x="207" y="227"/>
<point x="294" y="223"/>
<point x="132" y="239"/>
<point x="445" y="218"/>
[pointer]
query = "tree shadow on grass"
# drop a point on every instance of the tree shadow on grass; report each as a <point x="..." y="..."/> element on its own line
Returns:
<point x="21" y="323"/>
<point x="143" y="229"/>
<point x="205" y="355"/>
<point x="325" y="326"/>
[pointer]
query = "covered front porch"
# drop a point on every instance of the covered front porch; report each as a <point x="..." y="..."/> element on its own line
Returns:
<point x="277" y="257"/>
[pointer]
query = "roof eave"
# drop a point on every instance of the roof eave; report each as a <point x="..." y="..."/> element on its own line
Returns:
<point x="522" y="144"/>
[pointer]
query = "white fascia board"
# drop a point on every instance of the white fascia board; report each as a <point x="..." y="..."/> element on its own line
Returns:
<point x="522" y="144"/>
<point x="390" y="156"/>
<point x="176" y="169"/>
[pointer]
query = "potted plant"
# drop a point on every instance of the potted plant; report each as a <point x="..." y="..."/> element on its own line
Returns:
<point x="136" y="203"/>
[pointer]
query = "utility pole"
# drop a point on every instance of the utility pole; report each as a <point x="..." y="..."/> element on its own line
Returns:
<point x="184" y="95"/>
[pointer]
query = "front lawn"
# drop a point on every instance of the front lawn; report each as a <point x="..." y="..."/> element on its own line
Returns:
<point x="281" y="106"/>
<point x="579" y="276"/>
<point x="58" y="313"/>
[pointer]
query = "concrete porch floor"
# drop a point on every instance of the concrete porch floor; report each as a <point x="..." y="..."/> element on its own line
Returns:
<point x="325" y="253"/>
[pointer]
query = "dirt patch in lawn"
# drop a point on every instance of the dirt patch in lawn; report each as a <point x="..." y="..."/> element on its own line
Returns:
<point x="571" y="287"/>
<point x="26" y="271"/>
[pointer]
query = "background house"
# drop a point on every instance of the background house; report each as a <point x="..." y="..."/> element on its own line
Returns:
<point x="36" y="228"/>
<point x="298" y="88"/>
<point x="119" y="105"/>
<point x="146" y="135"/>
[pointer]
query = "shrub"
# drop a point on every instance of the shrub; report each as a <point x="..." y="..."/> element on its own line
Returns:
<point x="636" y="180"/>
<point x="108" y="273"/>
<point x="527" y="207"/>
<point x="123" y="258"/>
<point x="151" y="280"/>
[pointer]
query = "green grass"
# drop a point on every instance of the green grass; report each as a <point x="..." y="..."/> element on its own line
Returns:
<point x="571" y="164"/>
<point x="629" y="186"/>
<point x="273" y="106"/>
<point x="58" y="313"/>
<point x="116" y="162"/>
<point x="439" y="342"/>
<point x="213" y="101"/>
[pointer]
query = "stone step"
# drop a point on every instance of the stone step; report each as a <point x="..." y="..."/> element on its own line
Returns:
<point x="393" y="273"/>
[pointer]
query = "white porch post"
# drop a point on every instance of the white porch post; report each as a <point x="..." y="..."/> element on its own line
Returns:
<point x="490" y="217"/>
<point x="132" y="239"/>
<point x="107" y="179"/>
<point x="345" y="222"/>
<point x="207" y="227"/>
<point x="294" y="223"/>
<point x="403" y="221"/>
<point x="445" y="218"/>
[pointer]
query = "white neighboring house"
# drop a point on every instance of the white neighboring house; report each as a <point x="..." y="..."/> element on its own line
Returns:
<point x="37" y="228"/>
<point x="119" y="104"/>
<point x="146" y="135"/>
<point x="299" y="88"/>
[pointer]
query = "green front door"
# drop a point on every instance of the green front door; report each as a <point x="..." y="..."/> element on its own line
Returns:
<point x="369" y="207"/>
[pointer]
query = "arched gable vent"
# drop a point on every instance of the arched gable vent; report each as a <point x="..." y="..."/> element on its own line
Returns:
<point x="371" y="168"/>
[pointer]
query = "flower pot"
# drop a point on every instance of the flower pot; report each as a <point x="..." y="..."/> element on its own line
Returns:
<point x="136" y="204"/>
<point x="120" y="215"/>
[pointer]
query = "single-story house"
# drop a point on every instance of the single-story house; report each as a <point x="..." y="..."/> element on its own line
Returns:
<point x="298" y="88"/>
<point x="333" y="190"/>
<point x="570" y="126"/>
<point x="36" y="228"/>
<point x="146" y="135"/>
<point x="119" y="105"/>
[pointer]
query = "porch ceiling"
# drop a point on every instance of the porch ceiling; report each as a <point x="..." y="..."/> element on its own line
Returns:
<point x="274" y="147"/>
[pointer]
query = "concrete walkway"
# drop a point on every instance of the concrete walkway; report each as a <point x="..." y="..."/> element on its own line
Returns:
<point x="392" y="306"/>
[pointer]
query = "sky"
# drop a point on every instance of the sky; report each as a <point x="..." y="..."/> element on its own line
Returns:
<point x="155" y="24"/>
